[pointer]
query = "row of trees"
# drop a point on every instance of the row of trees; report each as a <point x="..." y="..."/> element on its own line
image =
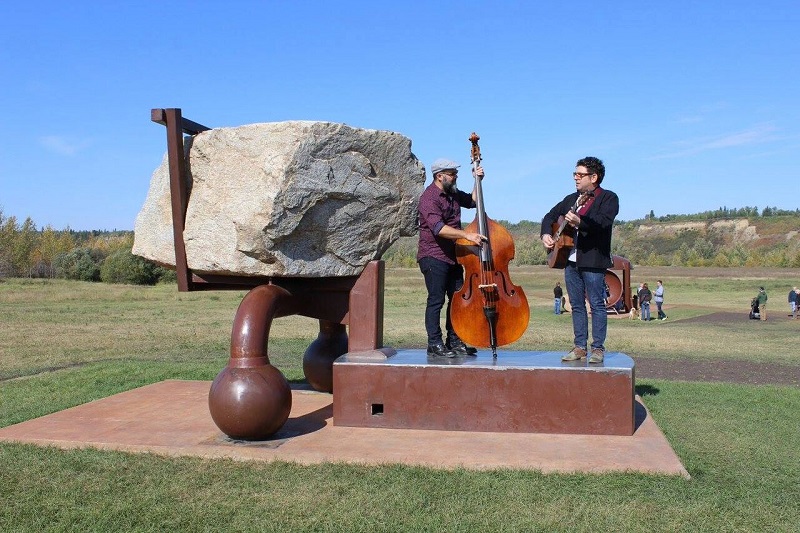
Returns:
<point x="26" y="251"/>
<point x="724" y="213"/>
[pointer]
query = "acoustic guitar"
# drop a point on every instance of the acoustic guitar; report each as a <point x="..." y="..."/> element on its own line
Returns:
<point x="564" y="236"/>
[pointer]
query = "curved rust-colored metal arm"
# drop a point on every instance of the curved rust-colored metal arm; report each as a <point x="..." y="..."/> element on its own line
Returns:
<point x="250" y="398"/>
<point x="252" y="323"/>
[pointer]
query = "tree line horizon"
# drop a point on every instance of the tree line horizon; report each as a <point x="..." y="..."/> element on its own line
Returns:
<point x="105" y="255"/>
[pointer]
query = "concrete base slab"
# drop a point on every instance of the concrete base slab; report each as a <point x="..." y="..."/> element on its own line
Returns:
<point x="172" y="418"/>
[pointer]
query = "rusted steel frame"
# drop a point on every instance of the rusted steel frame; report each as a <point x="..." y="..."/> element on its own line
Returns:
<point x="365" y="309"/>
<point x="188" y="126"/>
<point x="356" y="301"/>
<point x="179" y="195"/>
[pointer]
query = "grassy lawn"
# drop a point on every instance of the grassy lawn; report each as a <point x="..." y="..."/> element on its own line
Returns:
<point x="66" y="343"/>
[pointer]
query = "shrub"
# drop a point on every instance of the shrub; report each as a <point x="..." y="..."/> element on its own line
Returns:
<point x="80" y="264"/>
<point x="124" y="267"/>
<point x="166" y="275"/>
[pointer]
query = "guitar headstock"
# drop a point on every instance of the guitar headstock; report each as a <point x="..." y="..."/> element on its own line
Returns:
<point x="584" y="197"/>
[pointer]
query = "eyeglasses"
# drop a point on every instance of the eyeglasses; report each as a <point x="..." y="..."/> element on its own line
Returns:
<point x="451" y="173"/>
<point x="581" y="174"/>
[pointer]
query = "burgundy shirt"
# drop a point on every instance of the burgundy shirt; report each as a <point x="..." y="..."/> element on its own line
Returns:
<point x="436" y="210"/>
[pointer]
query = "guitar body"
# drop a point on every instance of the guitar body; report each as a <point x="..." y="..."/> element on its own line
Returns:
<point x="563" y="234"/>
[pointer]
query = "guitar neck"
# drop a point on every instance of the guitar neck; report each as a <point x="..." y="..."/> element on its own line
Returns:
<point x="563" y="224"/>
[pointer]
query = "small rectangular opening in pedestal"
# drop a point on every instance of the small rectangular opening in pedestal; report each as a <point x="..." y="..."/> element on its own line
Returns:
<point x="377" y="409"/>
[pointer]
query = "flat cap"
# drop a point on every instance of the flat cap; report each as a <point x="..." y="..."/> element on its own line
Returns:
<point x="443" y="164"/>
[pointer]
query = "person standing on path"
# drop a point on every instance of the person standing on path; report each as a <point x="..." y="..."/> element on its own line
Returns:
<point x="644" y="301"/>
<point x="558" y="294"/>
<point x="796" y="307"/>
<point x="762" y="303"/>
<point x="659" y="299"/>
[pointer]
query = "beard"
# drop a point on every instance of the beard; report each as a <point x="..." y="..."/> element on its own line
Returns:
<point x="449" y="187"/>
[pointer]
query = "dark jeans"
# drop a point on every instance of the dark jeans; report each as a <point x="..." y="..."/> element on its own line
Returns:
<point x="583" y="284"/>
<point x="661" y="313"/>
<point x="441" y="279"/>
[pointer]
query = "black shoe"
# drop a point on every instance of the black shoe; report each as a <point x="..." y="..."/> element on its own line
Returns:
<point x="459" y="348"/>
<point x="440" y="350"/>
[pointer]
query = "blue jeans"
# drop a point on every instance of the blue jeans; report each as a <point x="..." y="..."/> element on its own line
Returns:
<point x="645" y="310"/>
<point x="557" y="306"/>
<point x="583" y="283"/>
<point x="441" y="279"/>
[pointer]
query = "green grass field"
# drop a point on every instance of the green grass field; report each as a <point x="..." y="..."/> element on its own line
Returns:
<point x="66" y="343"/>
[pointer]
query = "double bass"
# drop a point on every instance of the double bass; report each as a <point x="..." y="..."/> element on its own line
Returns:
<point x="489" y="310"/>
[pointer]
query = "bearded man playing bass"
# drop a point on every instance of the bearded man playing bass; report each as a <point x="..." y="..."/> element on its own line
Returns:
<point x="589" y="212"/>
<point x="439" y="229"/>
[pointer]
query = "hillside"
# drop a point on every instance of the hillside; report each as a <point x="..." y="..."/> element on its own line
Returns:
<point x="769" y="241"/>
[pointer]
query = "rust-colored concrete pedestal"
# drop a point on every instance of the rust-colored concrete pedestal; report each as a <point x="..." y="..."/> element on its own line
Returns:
<point x="519" y="392"/>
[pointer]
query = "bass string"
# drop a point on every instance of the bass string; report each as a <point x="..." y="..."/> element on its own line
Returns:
<point x="487" y="273"/>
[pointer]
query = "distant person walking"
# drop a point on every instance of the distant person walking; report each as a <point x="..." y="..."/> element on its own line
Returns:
<point x="796" y="307"/>
<point x="793" y="295"/>
<point x="762" y="303"/>
<point x="558" y="294"/>
<point x="644" y="301"/>
<point x="658" y="297"/>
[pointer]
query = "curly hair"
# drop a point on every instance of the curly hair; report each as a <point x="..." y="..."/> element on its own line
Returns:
<point x="593" y="165"/>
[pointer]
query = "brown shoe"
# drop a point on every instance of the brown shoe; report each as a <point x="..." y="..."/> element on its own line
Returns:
<point x="597" y="356"/>
<point x="576" y="354"/>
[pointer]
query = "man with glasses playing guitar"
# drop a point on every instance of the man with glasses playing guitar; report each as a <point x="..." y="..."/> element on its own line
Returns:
<point x="577" y="232"/>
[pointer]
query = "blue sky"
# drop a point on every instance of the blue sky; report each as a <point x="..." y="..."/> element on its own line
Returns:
<point x="691" y="105"/>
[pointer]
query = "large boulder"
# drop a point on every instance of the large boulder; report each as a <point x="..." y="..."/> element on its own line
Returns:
<point x="295" y="198"/>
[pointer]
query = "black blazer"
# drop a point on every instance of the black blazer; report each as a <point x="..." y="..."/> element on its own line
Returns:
<point x="594" y="232"/>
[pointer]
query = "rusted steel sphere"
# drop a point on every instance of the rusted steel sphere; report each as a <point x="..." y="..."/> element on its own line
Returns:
<point x="320" y="354"/>
<point x="250" y="403"/>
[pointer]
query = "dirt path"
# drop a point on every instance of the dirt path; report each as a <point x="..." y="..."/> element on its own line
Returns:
<point x="717" y="370"/>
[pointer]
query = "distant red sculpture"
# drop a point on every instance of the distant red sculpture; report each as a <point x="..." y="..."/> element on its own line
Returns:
<point x="619" y="297"/>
